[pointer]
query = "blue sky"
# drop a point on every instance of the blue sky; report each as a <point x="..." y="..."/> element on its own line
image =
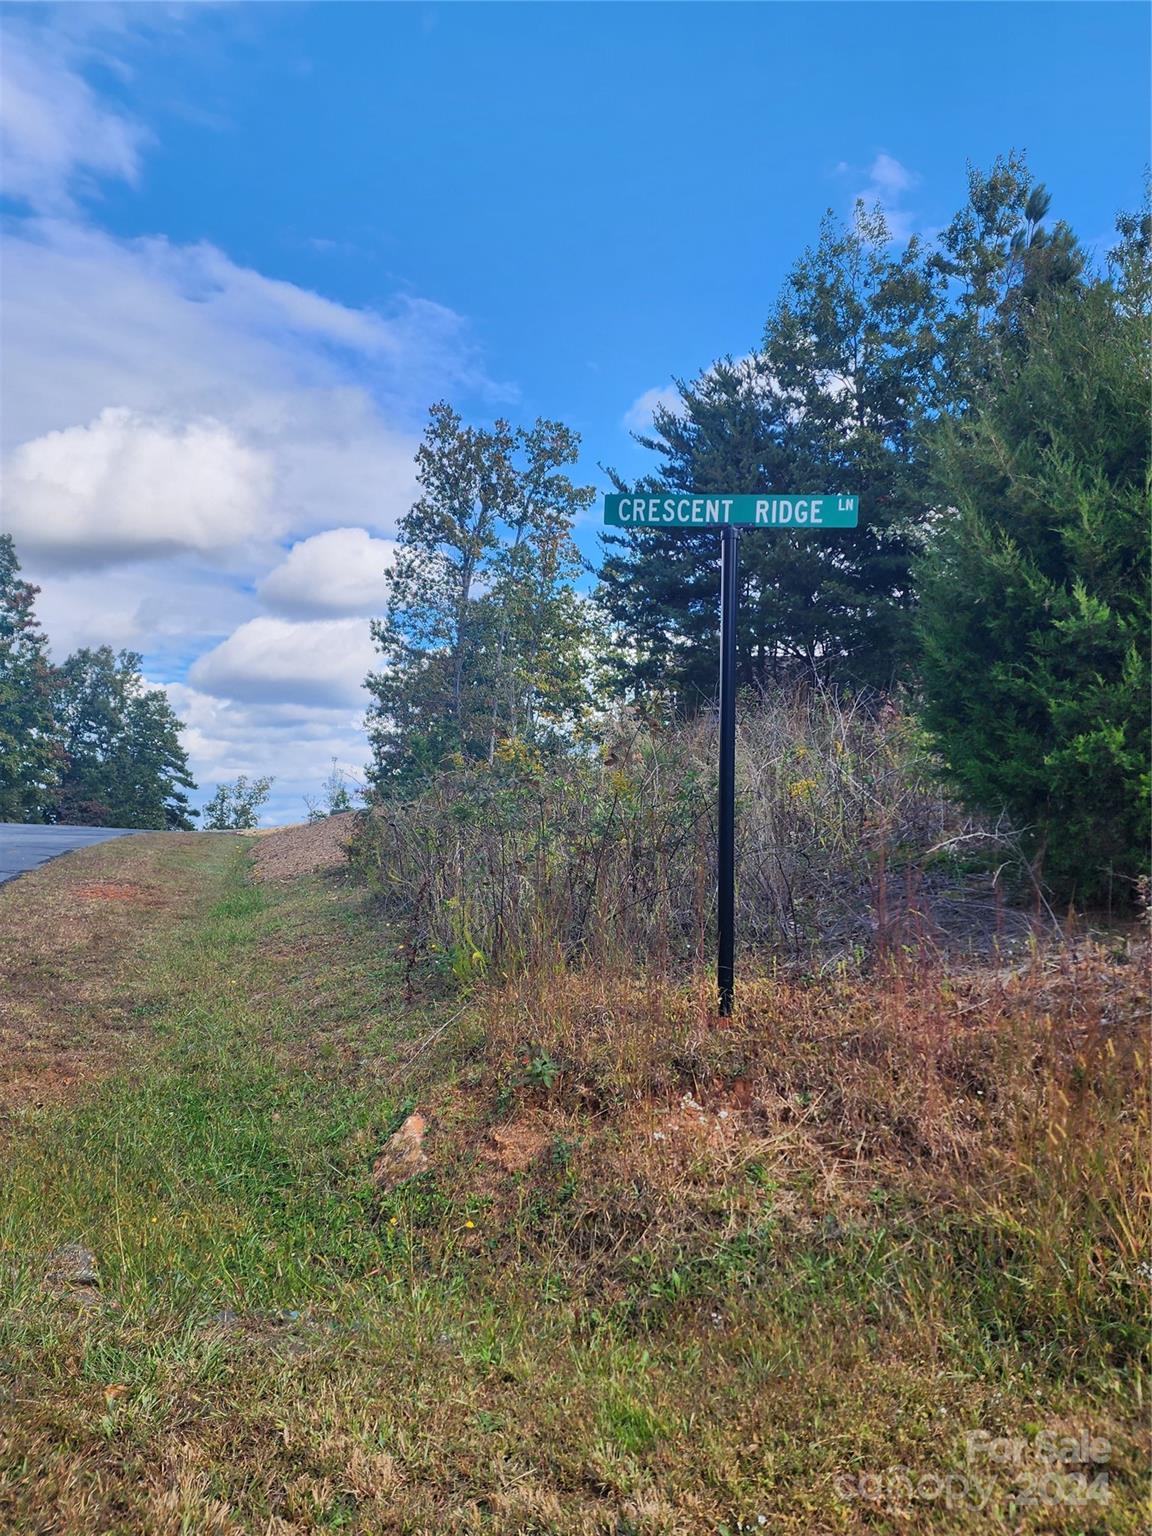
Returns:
<point x="247" y="244"/>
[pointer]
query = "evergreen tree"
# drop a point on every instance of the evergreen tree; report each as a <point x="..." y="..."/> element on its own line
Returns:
<point x="865" y="348"/>
<point x="484" y="636"/>
<point x="125" y="765"/>
<point x="659" y="591"/>
<point x="831" y="402"/>
<point x="1035" y="609"/>
<point x="997" y="258"/>
<point x="30" y="754"/>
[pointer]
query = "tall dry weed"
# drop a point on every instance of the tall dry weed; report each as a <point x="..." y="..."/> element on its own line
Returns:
<point x="847" y="847"/>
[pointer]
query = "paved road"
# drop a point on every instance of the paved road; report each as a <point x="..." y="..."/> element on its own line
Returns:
<point x="23" y="847"/>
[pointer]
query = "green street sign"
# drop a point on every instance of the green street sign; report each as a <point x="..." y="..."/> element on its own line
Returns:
<point x="790" y="509"/>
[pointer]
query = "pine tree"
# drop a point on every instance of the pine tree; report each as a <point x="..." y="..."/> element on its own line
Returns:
<point x="659" y="591"/>
<point x="866" y="347"/>
<point x="30" y="752"/>
<point x="1035" y="609"/>
<point x="997" y="258"/>
<point x="831" y="402"/>
<point x="125" y="765"/>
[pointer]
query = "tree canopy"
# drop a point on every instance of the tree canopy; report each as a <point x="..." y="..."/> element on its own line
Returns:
<point x="31" y="756"/>
<point x="125" y="766"/>
<point x="1034" y="617"/>
<point x="485" y="638"/>
<point x="869" y="342"/>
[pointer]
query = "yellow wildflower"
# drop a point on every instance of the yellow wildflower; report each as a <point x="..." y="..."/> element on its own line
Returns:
<point x="802" y="788"/>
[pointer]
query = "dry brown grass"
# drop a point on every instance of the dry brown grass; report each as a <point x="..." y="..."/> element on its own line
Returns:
<point x="847" y="848"/>
<point x="73" y="941"/>
<point x="661" y="1279"/>
<point x="1018" y="1097"/>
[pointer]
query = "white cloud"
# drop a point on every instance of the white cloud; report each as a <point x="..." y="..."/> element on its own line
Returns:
<point x="128" y="486"/>
<point x="171" y="419"/>
<point x="181" y="334"/>
<point x="638" y="416"/>
<point x="293" y="744"/>
<point x="56" y="137"/>
<point x="889" y="178"/>
<point x="340" y="572"/>
<point x="268" y="660"/>
<point x="171" y="608"/>
<point x="888" y="184"/>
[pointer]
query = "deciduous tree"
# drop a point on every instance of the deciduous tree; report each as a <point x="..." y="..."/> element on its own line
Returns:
<point x="235" y="806"/>
<point x="125" y="764"/>
<point x="484" y="637"/>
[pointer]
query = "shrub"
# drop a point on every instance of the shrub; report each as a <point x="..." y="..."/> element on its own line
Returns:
<point x="1034" y="597"/>
<point x="845" y="844"/>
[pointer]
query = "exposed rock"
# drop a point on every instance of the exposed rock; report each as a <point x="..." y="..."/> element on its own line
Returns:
<point x="71" y="1272"/>
<point x="403" y="1156"/>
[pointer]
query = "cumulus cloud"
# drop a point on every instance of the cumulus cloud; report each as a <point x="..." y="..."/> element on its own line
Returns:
<point x="128" y="486"/>
<point x="291" y="743"/>
<point x="340" y="572"/>
<point x="170" y="608"/>
<point x="638" y="416"/>
<point x="277" y="661"/>
<point x="888" y="184"/>
<point x="173" y="419"/>
<point x="57" y="138"/>
<point x="90" y="323"/>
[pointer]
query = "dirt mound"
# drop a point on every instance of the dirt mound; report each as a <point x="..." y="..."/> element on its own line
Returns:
<point x="303" y="850"/>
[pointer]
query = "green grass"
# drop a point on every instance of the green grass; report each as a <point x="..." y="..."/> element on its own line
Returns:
<point x="279" y="1347"/>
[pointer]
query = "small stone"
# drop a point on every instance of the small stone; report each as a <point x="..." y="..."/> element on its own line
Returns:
<point x="73" y="1264"/>
<point x="403" y="1156"/>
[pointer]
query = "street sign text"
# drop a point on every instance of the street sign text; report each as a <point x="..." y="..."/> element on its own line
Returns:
<point x="791" y="510"/>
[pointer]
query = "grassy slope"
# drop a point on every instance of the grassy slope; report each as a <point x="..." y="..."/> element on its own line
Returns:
<point x="656" y="1325"/>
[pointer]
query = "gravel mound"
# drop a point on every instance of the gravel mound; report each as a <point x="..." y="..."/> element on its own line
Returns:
<point x="303" y="850"/>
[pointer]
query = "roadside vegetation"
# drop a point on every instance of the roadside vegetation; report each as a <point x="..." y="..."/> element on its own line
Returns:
<point x="984" y="395"/>
<point x="656" y="1276"/>
<point x="394" y="1173"/>
<point x="849" y="847"/>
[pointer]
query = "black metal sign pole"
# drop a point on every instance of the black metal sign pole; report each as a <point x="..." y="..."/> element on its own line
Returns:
<point x="792" y="510"/>
<point x="726" y="849"/>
